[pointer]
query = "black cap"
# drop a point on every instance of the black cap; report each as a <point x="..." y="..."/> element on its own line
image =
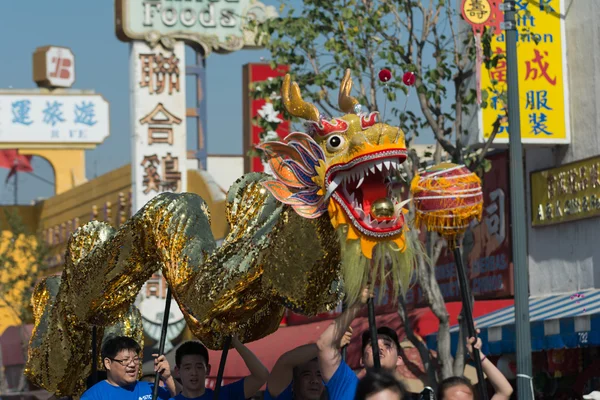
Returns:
<point x="382" y="330"/>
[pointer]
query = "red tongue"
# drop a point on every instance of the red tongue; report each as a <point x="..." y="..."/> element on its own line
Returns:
<point x="372" y="191"/>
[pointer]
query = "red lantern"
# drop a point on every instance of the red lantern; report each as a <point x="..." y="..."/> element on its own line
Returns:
<point x="447" y="198"/>
<point x="409" y="78"/>
<point x="385" y="75"/>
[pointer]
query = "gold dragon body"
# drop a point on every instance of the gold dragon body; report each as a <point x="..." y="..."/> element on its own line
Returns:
<point x="325" y="224"/>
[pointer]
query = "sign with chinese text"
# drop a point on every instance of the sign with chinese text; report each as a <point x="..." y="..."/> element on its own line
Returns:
<point x="158" y="163"/>
<point x="566" y="193"/>
<point x="216" y="25"/>
<point x="253" y="109"/>
<point x="543" y="87"/>
<point x="54" y="67"/>
<point x="487" y="251"/>
<point x="28" y="117"/>
<point x="159" y="128"/>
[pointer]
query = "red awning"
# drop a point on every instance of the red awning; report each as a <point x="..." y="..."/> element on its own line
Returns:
<point x="428" y="322"/>
<point x="267" y="349"/>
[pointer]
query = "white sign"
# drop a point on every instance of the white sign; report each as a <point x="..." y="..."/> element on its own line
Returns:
<point x="54" y="67"/>
<point x="219" y="25"/>
<point x="159" y="154"/>
<point x="33" y="118"/>
<point x="159" y="121"/>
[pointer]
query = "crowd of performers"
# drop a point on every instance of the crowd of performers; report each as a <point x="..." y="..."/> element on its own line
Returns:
<point x="310" y="372"/>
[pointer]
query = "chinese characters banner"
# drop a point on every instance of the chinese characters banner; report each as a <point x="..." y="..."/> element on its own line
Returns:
<point x="487" y="251"/>
<point x="37" y="118"/>
<point x="159" y="121"/>
<point x="542" y="76"/>
<point x="259" y="109"/>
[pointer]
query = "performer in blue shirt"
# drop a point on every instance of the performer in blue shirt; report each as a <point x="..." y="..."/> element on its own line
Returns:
<point x="120" y="356"/>
<point x="340" y="380"/>
<point x="192" y="367"/>
<point x="296" y="374"/>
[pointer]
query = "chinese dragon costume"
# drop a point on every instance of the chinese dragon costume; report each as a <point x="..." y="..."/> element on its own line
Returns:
<point x="327" y="222"/>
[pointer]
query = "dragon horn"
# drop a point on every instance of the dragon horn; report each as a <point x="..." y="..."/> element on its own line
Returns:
<point x="345" y="101"/>
<point x="295" y="106"/>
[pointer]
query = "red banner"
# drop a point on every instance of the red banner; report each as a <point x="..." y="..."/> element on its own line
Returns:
<point x="487" y="251"/>
<point x="259" y="109"/>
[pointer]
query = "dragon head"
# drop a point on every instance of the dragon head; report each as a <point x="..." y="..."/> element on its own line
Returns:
<point x="346" y="166"/>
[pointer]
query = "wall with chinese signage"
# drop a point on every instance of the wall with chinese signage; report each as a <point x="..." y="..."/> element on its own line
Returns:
<point x="159" y="121"/>
<point x="563" y="245"/>
<point x="543" y="79"/>
<point x="563" y="185"/>
<point x="254" y="109"/>
<point x="487" y="251"/>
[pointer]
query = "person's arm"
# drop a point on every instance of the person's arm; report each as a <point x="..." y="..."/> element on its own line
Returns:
<point x="502" y="387"/>
<point x="329" y="342"/>
<point x="258" y="372"/>
<point x="162" y="366"/>
<point x="282" y="373"/>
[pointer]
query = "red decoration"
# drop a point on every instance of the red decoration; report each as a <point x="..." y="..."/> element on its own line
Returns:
<point x="14" y="161"/>
<point x="385" y="75"/>
<point x="447" y="198"/>
<point x="409" y="78"/>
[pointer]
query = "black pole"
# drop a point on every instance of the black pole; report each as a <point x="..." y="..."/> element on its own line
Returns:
<point x="222" y="363"/>
<point x="518" y="213"/>
<point x="94" y="355"/>
<point x="163" y="338"/>
<point x="345" y="348"/>
<point x="373" y="329"/>
<point x="466" y="306"/>
<point x="16" y="186"/>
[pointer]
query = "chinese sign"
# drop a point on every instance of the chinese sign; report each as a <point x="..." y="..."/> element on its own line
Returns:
<point x="61" y="118"/>
<point x="54" y="67"/>
<point x="259" y="109"/>
<point x="543" y="91"/>
<point x="487" y="252"/>
<point x="159" y="141"/>
<point x="216" y="25"/>
<point x="566" y="193"/>
<point x="159" y="145"/>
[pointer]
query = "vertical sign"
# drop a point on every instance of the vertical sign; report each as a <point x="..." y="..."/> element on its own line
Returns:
<point x="158" y="119"/>
<point x="543" y="90"/>
<point x="254" y="109"/>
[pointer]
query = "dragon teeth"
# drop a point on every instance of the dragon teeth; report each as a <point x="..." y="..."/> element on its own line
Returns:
<point x="360" y="182"/>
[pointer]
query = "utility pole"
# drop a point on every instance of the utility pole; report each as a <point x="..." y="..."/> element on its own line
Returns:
<point x="517" y="199"/>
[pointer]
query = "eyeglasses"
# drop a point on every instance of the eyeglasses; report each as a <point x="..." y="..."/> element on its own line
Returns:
<point x="125" y="363"/>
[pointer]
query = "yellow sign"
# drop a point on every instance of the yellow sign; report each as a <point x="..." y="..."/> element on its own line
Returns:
<point x="543" y="91"/>
<point x="566" y="193"/>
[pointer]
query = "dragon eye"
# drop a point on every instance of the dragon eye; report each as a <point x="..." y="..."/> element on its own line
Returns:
<point x="334" y="142"/>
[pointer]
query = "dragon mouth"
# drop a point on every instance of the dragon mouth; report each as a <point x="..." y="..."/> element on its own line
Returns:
<point x="363" y="187"/>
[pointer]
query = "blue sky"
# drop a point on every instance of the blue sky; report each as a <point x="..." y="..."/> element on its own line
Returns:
<point x="87" y="27"/>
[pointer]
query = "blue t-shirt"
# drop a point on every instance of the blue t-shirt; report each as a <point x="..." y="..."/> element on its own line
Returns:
<point x="287" y="394"/>
<point x="137" y="391"/>
<point x="342" y="385"/>
<point x="233" y="391"/>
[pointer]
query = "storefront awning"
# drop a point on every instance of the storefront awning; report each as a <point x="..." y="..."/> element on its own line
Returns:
<point x="557" y="322"/>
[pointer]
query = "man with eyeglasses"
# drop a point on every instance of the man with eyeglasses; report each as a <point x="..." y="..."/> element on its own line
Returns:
<point x="120" y="356"/>
<point x="340" y="380"/>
